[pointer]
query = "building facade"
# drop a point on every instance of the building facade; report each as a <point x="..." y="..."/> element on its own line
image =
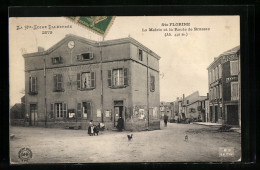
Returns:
<point x="78" y="80"/>
<point x="224" y="88"/>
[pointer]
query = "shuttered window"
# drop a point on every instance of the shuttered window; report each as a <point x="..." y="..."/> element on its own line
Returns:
<point x="234" y="67"/>
<point x="234" y="91"/>
<point x="86" y="80"/>
<point x="220" y="91"/>
<point x="65" y="110"/>
<point x="79" y="114"/>
<point x="58" y="82"/>
<point x="33" y="84"/>
<point x="118" y="77"/>
<point x="52" y="111"/>
<point x="220" y="70"/>
<point x="152" y="83"/>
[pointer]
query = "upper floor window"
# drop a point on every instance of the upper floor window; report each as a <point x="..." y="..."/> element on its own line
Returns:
<point x="213" y="75"/>
<point x="58" y="82"/>
<point x="234" y="67"/>
<point x="33" y="85"/>
<point x="86" y="80"/>
<point x="118" y="77"/>
<point x="56" y="60"/>
<point x="152" y="86"/>
<point x="220" y="91"/>
<point x="140" y="54"/>
<point x="85" y="56"/>
<point x="219" y="70"/>
<point x="216" y="72"/>
<point x="234" y="91"/>
<point x="188" y="101"/>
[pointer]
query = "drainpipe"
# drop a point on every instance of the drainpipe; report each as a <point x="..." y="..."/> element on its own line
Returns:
<point x="101" y="72"/>
<point x="45" y="99"/>
<point x="148" y="117"/>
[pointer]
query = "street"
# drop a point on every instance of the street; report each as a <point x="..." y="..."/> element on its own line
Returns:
<point x="50" y="145"/>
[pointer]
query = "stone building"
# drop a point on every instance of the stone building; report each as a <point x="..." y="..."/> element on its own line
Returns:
<point x="224" y="88"/>
<point x="78" y="80"/>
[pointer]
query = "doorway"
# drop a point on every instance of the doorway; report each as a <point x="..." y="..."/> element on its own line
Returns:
<point x="211" y="113"/>
<point x="118" y="111"/>
<point x="33" y="114"/>
<point x="216" y="114"/>
<point x="232" y="115"/>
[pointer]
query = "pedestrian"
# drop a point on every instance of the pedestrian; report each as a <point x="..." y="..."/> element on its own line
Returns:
<point x="165" y="120"/>
<point x="120" y="124"/>
<point x="90" y="128"/>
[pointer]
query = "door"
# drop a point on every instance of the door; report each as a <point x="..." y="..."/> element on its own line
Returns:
<point x="232" y="115"/>
<point x="211" y="113"/>
<point x="118" y="111"/>
<point x="33" y="114"/>
<point x="86" y="108"/>
<point x="216" y="114"/>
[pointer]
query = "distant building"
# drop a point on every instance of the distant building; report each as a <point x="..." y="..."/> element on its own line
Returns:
<point x="167" y="108"/>
<point x="224" y="88"/>
<point x="78" y="80"/>
<point x="193" y="106"/>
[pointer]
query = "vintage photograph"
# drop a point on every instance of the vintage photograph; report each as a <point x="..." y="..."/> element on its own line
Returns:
<point x="111" y="89"/>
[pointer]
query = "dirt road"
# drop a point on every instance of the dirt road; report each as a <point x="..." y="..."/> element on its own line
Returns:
<point x="165" y="145"/>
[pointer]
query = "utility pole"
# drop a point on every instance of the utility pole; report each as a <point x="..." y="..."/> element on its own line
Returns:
<point x="101" y="76"/>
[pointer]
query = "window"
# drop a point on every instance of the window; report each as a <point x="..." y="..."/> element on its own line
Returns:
<point x="152" y="85"/>
<point x="60" y="110"/>
<point x="32" y="85"/>
<point x="209" y="77"/>
<point x="234" y="67"/>
<point x="118" y="77"/>
<point x="213" y="75"/>
<point x="85" y="56"/>
<point x="234" y="91"/>
<point x="187" y="101"/>
<point x="56" y="60"/>
<point x="86" y="80"/>
<point x="86" y="110"/>
<point x="214" y="93"/>
<point x="220" y="71"/>
<point x="140" y="54"/>
<point x="220" y="91"/>
<point x="216" y="72"/>
<point x="58" y="82"/>
<point x="217" y="92"/>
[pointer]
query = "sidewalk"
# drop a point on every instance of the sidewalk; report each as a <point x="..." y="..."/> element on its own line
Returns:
<point x="234" y="128"/>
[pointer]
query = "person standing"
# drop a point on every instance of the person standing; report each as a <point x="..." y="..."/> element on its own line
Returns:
<point x="165" y="120"/>
<point x="90" y="128"/>
<point x="120" y="124"/>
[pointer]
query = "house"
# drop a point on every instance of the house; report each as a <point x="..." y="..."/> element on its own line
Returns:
<point x="78" y="80"/>
<point x="193" y="106"/>
<point x="224" y="88"/>
<point x="167" y="108"/>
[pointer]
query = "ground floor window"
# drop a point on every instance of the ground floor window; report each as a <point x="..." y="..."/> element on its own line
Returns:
<point x="59" y="110"/>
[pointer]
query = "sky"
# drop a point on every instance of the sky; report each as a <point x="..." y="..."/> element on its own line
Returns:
<point x="184" y="59"/>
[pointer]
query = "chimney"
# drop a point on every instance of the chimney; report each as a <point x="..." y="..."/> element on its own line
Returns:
<point x="40" y="49"/>
<point x="177" y="98"/>
<point x="207" y="95"/>
<point x="183" y="96"/>
<point x="215" y="58"/>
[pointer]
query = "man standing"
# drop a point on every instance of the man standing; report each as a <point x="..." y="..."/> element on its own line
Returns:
<point x="165" y="120"/>
<point x="120" y="124"/>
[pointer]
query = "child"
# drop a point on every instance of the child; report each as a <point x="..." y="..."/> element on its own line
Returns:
<point x="90" y="128"/>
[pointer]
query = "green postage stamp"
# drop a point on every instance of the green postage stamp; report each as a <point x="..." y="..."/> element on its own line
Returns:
<point x="96" y="24"/>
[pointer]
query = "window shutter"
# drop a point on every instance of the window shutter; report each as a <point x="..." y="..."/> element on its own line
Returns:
<point x="65" y="110"/>
<point x="89" y="109"/>
<point x="60" y="80"/>
<point x="52" y="110"/>
<point x="30" y="84"/>
<point x="125" y="76"/>
<point x="92" y="55"/>
<point x="109" y="78"/>
<point x="93" y="79"/>
<point x="79" y="57"/>
<point x="36" y="85"/>
<point x="78" y="80"/>
<point x="55" y="82"/>
<point x="79" y="110"/>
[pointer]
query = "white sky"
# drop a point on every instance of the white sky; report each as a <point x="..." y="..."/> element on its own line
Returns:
<point x="184" y="60"/>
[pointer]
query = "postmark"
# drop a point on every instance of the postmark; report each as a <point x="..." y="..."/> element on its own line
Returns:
<point x="25" y="154"/>
<point x="97" y="24"/>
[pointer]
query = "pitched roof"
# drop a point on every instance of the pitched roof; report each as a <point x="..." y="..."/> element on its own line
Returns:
<point x="94" y="43"/>
<point x="228" y="52"/>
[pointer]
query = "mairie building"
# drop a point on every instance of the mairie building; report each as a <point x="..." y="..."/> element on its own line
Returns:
<point x="78" y="80"/>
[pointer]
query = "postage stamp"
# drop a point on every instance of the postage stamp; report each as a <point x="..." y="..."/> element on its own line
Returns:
<point x="96" y="24"/>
